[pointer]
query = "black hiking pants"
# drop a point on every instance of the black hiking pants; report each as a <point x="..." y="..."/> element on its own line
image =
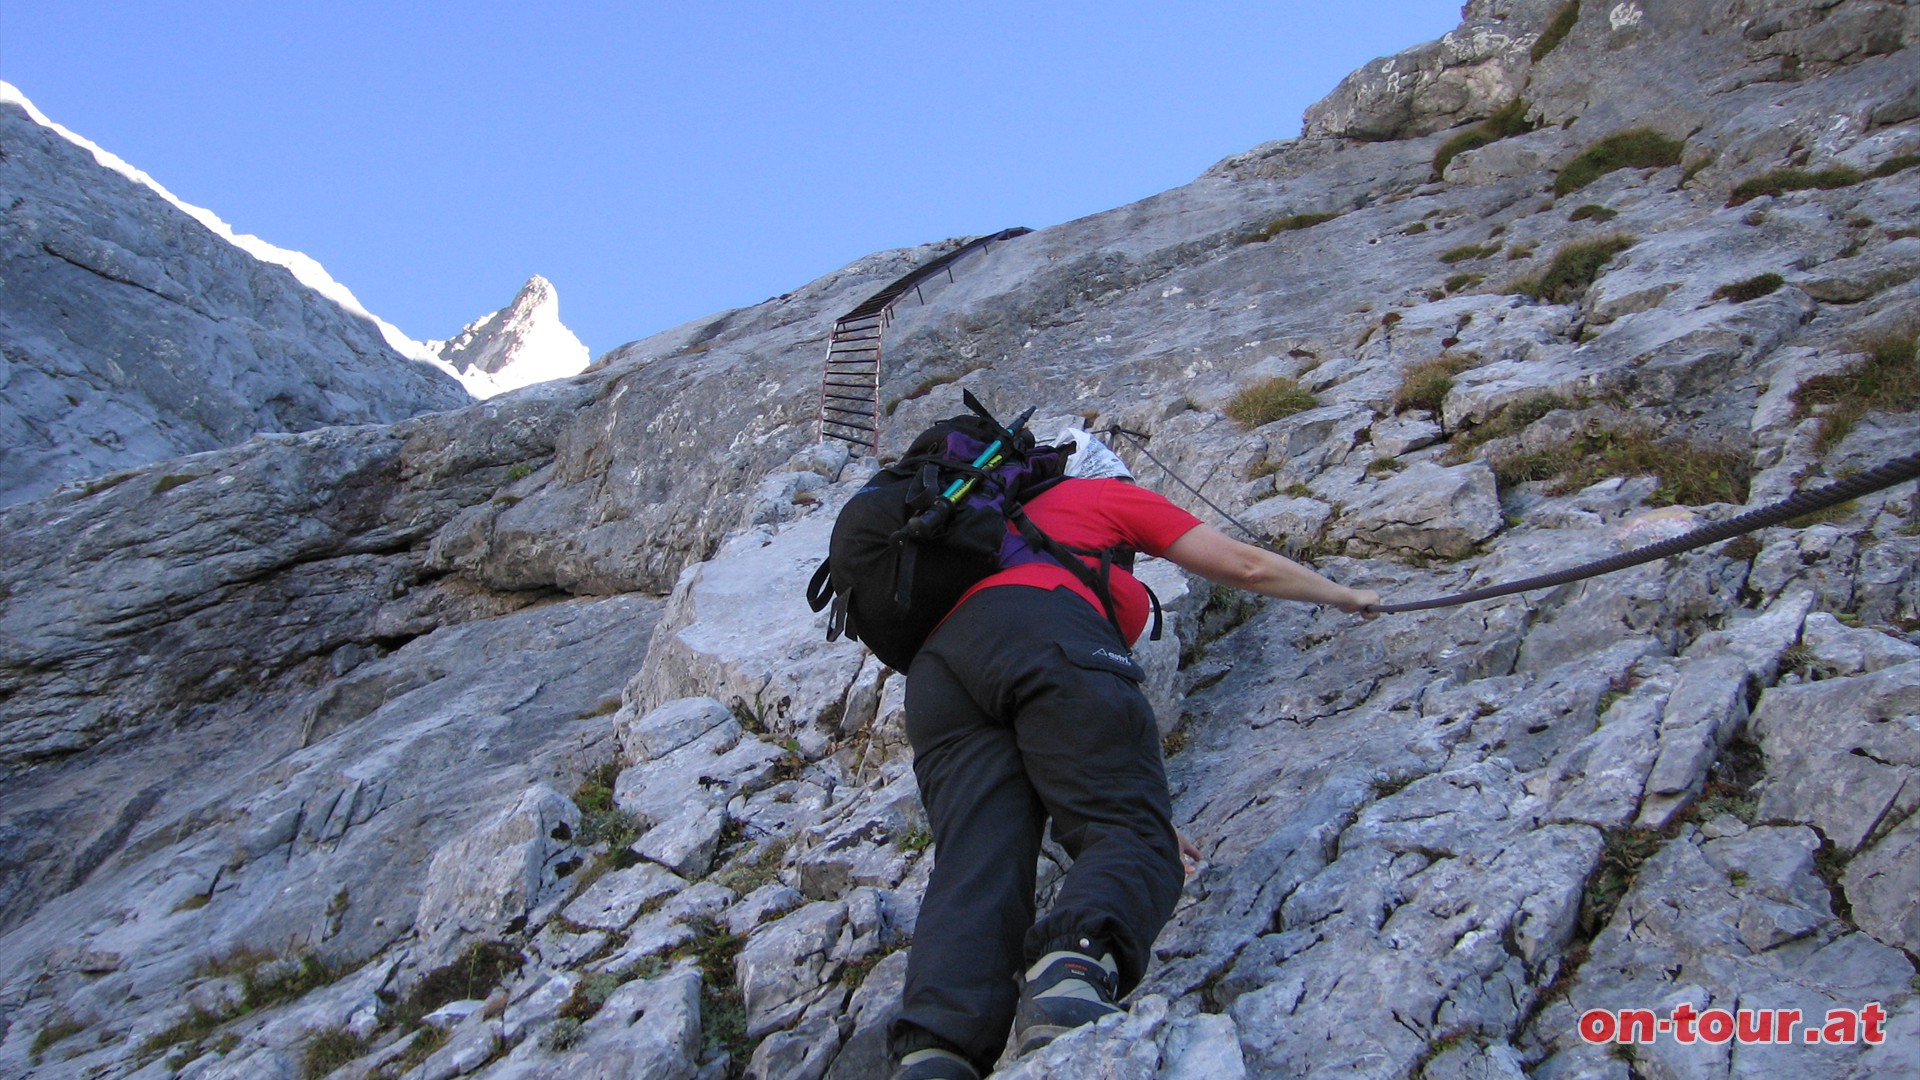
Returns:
<point x="1025" y="705"/>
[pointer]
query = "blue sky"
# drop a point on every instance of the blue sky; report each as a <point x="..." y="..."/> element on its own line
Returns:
<point x="662" y="162"/>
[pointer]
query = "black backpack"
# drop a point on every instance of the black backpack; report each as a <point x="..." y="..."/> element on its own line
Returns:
<point x="930" y="526"/>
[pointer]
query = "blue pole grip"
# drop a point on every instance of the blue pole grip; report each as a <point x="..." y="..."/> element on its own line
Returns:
<point x="959" y="487"/>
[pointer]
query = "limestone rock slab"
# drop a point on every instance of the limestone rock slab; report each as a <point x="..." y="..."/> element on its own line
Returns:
<point x="1426" y="509"/>
<point x="786" y="962"/>
<point x="612" y="902"/>
<point x="498" y="872"/>
<point x="191" y="343"/>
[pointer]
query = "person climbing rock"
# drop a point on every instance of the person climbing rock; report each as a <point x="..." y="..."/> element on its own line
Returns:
<point x="1024" y="705"/>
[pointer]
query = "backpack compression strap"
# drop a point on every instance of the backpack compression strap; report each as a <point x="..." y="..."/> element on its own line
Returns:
<point x="820" y="593"/>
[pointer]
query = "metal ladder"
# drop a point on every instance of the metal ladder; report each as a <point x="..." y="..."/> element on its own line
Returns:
<point x="850" y="386"/>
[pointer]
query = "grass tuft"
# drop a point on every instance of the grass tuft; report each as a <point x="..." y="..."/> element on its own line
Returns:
<point x="723" y="1010"/>
<point x="58" y="1030"/>
<point x="1619" y="865"/>
<point x="287" y="980"/>
<point x="421" y="1045"/>
<point x="1695" y="168"/>
<point x="1425" y="385"/>
<point x="483" y="966"/>
<point x="1509" y="421"/>
<point x="172" y="480"/>
<point x="328" y="1049"/>
<point x="1593" y="212"/>
<point x="1466" y="252"/>
<point x="1289" y="223"/>
<point x="1556" y="30"/>
<point x="602" y="822"/>
<point x="191" y="1030"/>
<point x="1636" y="148"/>
<point x="1511" y="120"/>
<point x="1173" y="742"/>
<point x="588" y="995"/>
<point x="762" y="869"/>
<point x="1887" y="379"/>
<point x="1752" y="288"/>
<point x="1265" y="402"/>
<point x="1781" y="181"/>
<point x="1833" y="177"/>
<point x="1574" y="267"/>
<point x="561" y="1035"/>
<point x="1895" y="164"/>
<point x="1689" y="474"/>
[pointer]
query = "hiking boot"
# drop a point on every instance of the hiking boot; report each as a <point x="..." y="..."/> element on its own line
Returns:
<point x="1063" y="990"/>
<point x="934" y="1064"/>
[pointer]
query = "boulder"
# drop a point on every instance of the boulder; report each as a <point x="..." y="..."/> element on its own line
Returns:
<point x="613" y="901"/>
<point x="681" y="796"/>
<point x="1465" y="76"/>
<point x="786" y="963"/>
<point x="1428" y="510"/>
<point x="488" y="881"/>
<point x="648" y="1027"/>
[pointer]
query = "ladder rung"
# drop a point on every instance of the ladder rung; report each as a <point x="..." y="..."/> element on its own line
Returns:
<point x="866" y="415"/>
<point x="853" y="427"/>
<point x="847" y="386"/>
<point x="841" y="339"/>
<point x="848" y="397"/>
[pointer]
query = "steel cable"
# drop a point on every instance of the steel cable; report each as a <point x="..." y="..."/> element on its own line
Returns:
<point x="1799" y="504"/>
<point x="1796" y="505"/>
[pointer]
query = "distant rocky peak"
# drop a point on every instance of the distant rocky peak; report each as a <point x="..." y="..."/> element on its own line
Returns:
<point x="522" y="343"/>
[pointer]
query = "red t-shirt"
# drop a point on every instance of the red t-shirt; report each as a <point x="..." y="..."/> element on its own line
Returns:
<point x="1100" y="514"/>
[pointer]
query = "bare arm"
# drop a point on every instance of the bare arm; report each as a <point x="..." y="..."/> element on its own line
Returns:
<point x="1218" y="557"/>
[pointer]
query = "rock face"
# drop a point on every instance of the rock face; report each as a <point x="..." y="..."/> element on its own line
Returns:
<point x="133" y="332"/>
<point x="522" y="343"/>
<point x="512" y="718"/>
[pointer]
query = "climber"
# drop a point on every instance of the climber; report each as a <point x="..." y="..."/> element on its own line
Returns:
<point x="1024" y="705"/>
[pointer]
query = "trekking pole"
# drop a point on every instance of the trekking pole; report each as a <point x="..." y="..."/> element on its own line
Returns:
<point x="988" y="459"/>
<point x="934" y="518"/>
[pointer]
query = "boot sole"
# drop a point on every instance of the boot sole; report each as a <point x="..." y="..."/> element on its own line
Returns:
<point x="1040" y="1035"/>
